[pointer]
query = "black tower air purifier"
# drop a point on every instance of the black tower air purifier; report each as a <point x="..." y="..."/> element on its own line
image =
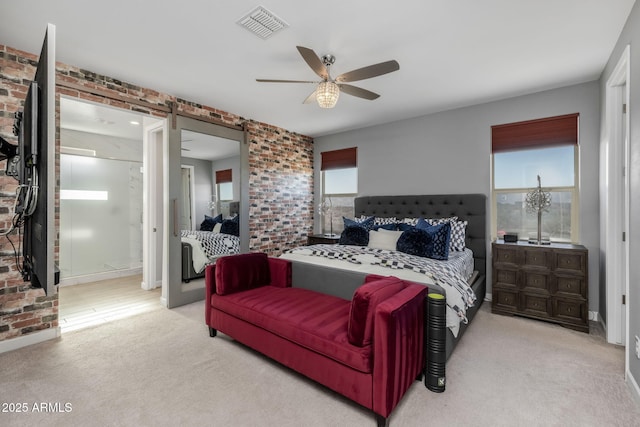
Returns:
<point x="435" y="342"/>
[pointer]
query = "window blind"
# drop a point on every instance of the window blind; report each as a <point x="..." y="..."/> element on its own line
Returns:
<point x="223" y="176"/>
<point x="539" y="133"/>
<point x="339" y="159"/>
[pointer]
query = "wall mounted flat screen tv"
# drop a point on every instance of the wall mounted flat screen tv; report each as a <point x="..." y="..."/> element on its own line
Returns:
<point x="36" y="150"/>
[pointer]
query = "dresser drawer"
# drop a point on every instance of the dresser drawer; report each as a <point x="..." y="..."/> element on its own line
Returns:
<point x="505" y="255"/>
<point x="572" y="262"/>
<point x="534" y="304"/>
<point x="536" y="258"/>
<point x="506" y="277"/>
<point x="505" y="299"/>
<point x="570" y="310"/>
<point x="571" y="286"/>
<point x="532" y="281"/>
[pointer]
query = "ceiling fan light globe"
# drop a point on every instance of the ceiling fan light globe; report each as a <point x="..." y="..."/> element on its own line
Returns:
<point x="327" y="94"/>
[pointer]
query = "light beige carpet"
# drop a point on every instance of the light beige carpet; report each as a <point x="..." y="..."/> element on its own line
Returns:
<point x="162" y="369"/>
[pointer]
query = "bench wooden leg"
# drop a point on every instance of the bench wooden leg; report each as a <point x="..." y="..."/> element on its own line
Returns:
<point x="212" y="332"/>
<point x="382" y="421"/>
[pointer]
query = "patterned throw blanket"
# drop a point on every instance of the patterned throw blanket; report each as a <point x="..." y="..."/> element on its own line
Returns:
<point x="446" y="274"/>
<point x="215" y="244"/>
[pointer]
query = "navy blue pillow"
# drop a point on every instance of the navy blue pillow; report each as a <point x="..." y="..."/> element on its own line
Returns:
<point x="230" y="226"/>
<point x="391" y="227"/>
<point x="367" y="224"/>
<point x="403" y="226"/>
<point x="429" y="242"/>
<point x="415" y="242"/>
<point x="354" y="235"/>
<point x="210" y="222"/>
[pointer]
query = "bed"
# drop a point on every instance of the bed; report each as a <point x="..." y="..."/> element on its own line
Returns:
<point x="339" y="274"/>
<point x="202" y="247"/>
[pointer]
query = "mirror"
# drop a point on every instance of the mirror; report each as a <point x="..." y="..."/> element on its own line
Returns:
<point x="210" y="177"/>
<point x="205" y="210"/>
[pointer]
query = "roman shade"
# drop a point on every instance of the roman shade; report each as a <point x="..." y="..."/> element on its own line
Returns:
<point x="223" y="176"/>
<point x="539" y="133"/>
<point x="339" y="159"/>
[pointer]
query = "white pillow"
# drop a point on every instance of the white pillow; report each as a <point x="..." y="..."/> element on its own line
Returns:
<point x="384" y="239"/>
<point x="217" y="227"/>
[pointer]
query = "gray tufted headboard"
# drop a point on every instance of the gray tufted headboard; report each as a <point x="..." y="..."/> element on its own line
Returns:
<point x="467" y="207"/>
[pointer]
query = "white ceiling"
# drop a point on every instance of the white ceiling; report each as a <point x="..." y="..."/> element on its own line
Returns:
<point x="451" y="53"/>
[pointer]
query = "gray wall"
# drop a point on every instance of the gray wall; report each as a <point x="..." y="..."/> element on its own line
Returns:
<point x="450" y="152"/>
<point x="204" y="186"/>
<point x="631" y="36"/>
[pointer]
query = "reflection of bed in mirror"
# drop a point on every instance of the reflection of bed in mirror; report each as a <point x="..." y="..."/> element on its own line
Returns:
<point x="217" y="236"/>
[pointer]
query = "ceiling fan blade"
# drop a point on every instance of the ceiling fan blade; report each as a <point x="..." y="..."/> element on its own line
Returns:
<point x="368" y="72"/>
<point x="358" y="91"/>
<point x="312" y="59"/>
<point x="284" y="81"/>
<point x="310" y="98"/>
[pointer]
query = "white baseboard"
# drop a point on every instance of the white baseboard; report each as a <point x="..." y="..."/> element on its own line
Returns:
<point x="143" y="285"/>
<point x="30" y="339"/>
<point x="633" y="385"/>
<point x="78" y="280"/>
<point x="487" y="297"/>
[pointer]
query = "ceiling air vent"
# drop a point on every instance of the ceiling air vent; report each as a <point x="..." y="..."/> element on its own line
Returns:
<point x="262" y="22"/>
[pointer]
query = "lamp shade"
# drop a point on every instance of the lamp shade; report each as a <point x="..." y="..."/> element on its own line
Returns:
<point x="327" y="94"/>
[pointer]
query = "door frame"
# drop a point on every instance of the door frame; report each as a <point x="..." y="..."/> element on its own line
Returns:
<point x="153" y="140"/>
<point x="616" y="201"/>
<point x="192" y="194"/>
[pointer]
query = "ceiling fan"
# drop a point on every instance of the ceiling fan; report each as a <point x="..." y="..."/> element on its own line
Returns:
<point x="328" y="90"/>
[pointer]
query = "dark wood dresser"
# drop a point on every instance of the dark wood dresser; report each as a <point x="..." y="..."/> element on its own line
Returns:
<point x="545" y="282"/>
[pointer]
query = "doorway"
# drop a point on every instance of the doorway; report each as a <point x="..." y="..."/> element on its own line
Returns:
<point x="103" y="207"/>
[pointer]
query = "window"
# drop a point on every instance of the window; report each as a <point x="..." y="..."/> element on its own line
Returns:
<point x="339" y="187"/>
<point x="225" y="191"/>
<point x="224" y="182"/>
<point x="523" y="151"/>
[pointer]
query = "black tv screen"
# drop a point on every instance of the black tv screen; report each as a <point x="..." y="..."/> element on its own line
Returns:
<point x="37" y="172"/>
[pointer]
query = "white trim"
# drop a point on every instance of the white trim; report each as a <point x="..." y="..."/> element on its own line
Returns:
<point x="152" y="141"/>
<point x="633" y="385"/>
<point x="114" y="274"/>
<point x="192" y="191"/>
<point x="612" y="154"/>
<point x="30" y="339"/>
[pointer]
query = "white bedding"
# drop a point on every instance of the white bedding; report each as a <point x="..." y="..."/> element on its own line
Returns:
<point x="209" y="245"/>
<point x="450" y="275"/>
<point x="198" y="257"/>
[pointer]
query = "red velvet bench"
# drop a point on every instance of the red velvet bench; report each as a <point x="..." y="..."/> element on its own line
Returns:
<point x="369" y="349"/>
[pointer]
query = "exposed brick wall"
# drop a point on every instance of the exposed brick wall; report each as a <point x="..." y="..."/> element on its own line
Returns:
<point x="280" y="188"/>
<point x="23" y="309"/>
<point x="280" y="179"/>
